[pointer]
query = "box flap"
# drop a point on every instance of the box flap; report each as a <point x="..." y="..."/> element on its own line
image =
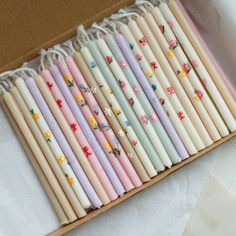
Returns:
<point x="27" y="26"/>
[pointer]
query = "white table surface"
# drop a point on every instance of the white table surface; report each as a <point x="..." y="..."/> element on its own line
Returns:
<point x="165" y="208"/>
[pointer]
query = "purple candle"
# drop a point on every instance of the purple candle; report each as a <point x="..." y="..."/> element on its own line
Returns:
<point x="124" y="46"/>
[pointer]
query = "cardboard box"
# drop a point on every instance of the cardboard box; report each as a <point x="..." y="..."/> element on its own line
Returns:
<point x="29" y="25"/>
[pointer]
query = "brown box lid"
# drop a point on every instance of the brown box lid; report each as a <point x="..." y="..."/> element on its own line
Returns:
<point x="26" y="26"/>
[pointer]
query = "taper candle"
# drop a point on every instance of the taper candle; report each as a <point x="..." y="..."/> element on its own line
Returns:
<point x="87" y="130"/>
<point x="87" y="149"/>
<point x="113" y="120"/>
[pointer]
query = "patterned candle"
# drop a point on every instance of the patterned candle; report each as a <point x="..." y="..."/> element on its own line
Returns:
<point x="47" y="151"/>
<point x="113" y="120"/>
<point x="142" y="97"/>
<point x="168" y="84"/>
<point x="149" y="90"/>
<point x="76" y="148"/>
<point x="87" y="149"/>
<point x="200" y="68"/>
<point x="187" y="69"/>
<point x="133" y="101"/>
<point x="56" y="133"/>
<point x="100" y="117"/>
<point x="187" y="88"/>
<point x="214" y="69"/>
<point x="84" y="125"/>
<point x="14" y="109"/>
<point x="113" y="87"/>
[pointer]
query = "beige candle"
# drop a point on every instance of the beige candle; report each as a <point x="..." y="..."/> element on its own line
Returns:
<point x="214" y="73"/>
<point x="47" y="152"/>
<point x="51" y="195"/>
<point x="16" y="113"/>
<point x="72" y="140"/>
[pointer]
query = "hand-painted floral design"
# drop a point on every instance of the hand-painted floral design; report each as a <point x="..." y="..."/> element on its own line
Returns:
<point x="74" y="127"/>
<point x="105" y="126"/>
<point x="149" y="74"/>
<point x="36" y="116"/>
<point x="79" y="98"/>
<point x="153" y="116"/>
<point x="87" y="151"/>
<point x="117" y="111"/>
<point x="122" y="83"/>
<point x="130" y="156"/>
<point x="59" y="103"/>
<point x="154" y="65"/>
<point x="117" y="150"/>
<point x="107" y="111"/>
<point x="110" y="90"/>
<point x="93" y="90"/>
<point x="144" y="119"/>
<point x="154" y="87"/>
<point x="127" y="123"/>
<point x="182" y="73"/>
<point x="135" y="88"/>
<point x="131" y="45"/>
<point x="84" y="88"/>
<point x="195" y="63"/>
<point x="199" y="94"/>
<point x="69" y="80"/>
<point x="108" y="147"/>
<point x="96" y="109"/>
<point x="143" y="41"/>
<point x="47" y="136"/>
<point x="50" y="85"/>
<point x="71" y="180"/>
<point x="162" y="28"/>
<point x="186" y="67"/>
<point x="204" y="81"/>
<point x="170" y="53"/>
<point x="181" y="115"/>
<point x="170" y="90"/>
<point x="109" y="59"/>
<point x="61" y="159"/>
<point x="122" y="64"/>
<point x="93" y="64"/>
<point x="121" y="133"/>
<point x="93" y="123"/>
<point x="162" y="101"/>
<point x="138" y="57"/>
<point x="134" y="142"/>
<point x="173" y="44"/>
<point x="170" y="23"/>
<point x="131" y="101"/>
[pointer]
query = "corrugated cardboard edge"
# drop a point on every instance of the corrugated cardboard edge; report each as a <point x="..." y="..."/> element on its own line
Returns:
<point x="65" y="35"/>
<point x="64" y="229"/>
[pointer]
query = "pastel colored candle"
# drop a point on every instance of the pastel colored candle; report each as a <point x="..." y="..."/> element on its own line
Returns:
<point x="87" y="149"/>
<point x="183" y="87"/>
<point x="141" y="95"/>
<point x="52" y="142"/>
<point x="16" y="113"/>
<point x="108" y="78"/>
<point x="201" y="71"/>
<point x="196" y="83"/>
<point x="38" y="170"/>
<point x="133" y="101"/>
<point x="84" y="125"/>
<point x="76" y="148"/>
<point x="123" y="132"/>
<point x="100" y="117"/>
<point x="169" y="82"/>
<point x="148" y="62"/>
<point x="204" y="77"/>
<point x="157" y="102"/>
<point x="217" y="74"/>
<point x="54" y="165"/>
<point x="65" y="147"/>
